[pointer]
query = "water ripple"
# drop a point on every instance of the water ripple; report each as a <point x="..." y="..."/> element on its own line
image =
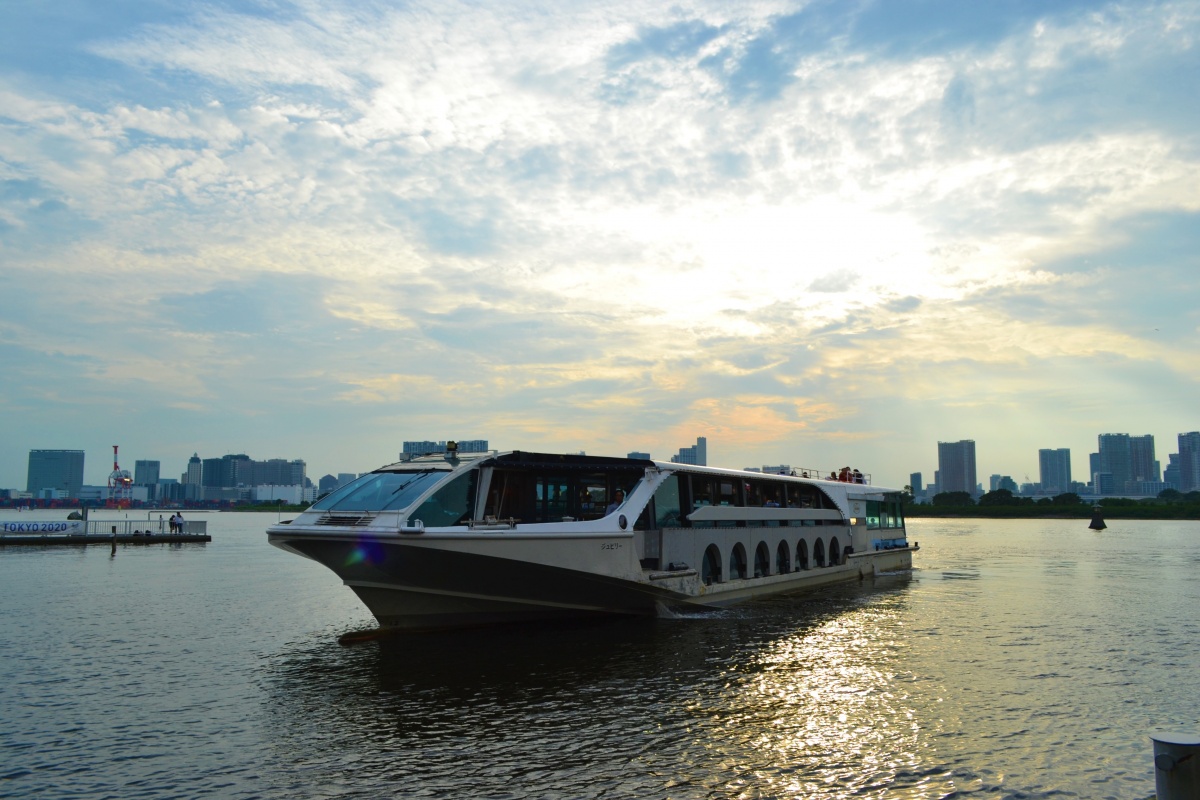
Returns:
<point x="1022" y="659"/>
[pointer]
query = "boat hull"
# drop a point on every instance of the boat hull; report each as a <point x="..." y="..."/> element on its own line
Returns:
<point x="423" y="583"/>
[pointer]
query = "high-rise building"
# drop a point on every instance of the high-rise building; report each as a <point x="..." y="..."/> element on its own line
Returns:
<point x="914" y="483"/>
<point x="273" y="472"/>
<point x="1171" y="475"/>
<point x="1128" y="459"/>
<point x="57" y="470"/>
<point x="638" y="454"/>
<point x="226" y="471"/>
<point x="1115" y="460"/>
<point x="410" y="450"/>
<point x="1054" y="470"/>
<point x="1003" y="482"/>
<point x="696" y="454"/>
<point x="1142" y="464"/>
<point x="1189" y="461"/>
<point x="195" y="471"/>
<point x="145" y="473"/>
<point x="956" y="467"/>
<point x="231" y="471"/>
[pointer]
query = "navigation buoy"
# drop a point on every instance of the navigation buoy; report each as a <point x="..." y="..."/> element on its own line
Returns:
<point x="1097" y="519"/>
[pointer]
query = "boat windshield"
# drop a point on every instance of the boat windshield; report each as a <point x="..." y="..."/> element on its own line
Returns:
<point x="380" y="491"/>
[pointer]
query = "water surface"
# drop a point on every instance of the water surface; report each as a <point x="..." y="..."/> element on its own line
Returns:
<point x="1021" y="658"/>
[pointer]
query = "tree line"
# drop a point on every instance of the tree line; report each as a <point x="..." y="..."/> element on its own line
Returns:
<point x="1169" y="504"/>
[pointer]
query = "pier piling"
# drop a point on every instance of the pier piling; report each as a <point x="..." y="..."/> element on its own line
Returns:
<point x="1176" y="765"/>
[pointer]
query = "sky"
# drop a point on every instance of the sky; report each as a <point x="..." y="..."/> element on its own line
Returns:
<point x="817" y="233"/>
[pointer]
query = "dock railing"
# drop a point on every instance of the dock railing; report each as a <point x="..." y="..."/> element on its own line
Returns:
<point x="155" y="527"/>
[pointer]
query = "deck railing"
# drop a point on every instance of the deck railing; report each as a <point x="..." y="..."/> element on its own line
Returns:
<point x="825" y="475"/>
<point x="129" y="527"/>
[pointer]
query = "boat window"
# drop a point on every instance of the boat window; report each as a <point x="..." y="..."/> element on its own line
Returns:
<point x="702" y="491"/>
<point x="754" y="494"/>
<point x="667" y="510"/>
<point x="509" y="496"/>
<point x="737" y="562"/>
<point x="804" y="495"/>
<point x="783" y="559"/>
<point x="772" y="496"/>
<point x="593" y="495"/>
<point x="801" y="495"/>
<point x="801" y="555"/>
<point x="885" y="514"/>
<point x="379" y="491"/>
<point x="710" y="567"/>
<point x="728" y="492"/>
<point x="552" y="494"/>
<point x="325" y="502"/>
<point x="762" y="561"/>
<point x="819" y="553"/>
<point x="452" y="504"/>
<point x="835" y="552"/>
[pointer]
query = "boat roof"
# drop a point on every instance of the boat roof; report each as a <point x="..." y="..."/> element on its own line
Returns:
<point x="560" y="461"/>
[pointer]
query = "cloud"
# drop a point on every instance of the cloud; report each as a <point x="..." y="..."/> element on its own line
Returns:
<point x="614" y="224"/>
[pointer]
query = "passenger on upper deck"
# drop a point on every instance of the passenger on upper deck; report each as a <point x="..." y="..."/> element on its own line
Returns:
<point x="618" y="499"/>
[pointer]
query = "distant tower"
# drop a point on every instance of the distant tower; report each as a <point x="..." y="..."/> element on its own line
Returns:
<point x="696" y="454"/>
<point x="956" y="467"/>
<point x="1189" y="461"/>
<point x="120" y="485"/>
<point x="56" y="471"/>
<point x="1054" y="470"/>
<point x="1115" y="459"/>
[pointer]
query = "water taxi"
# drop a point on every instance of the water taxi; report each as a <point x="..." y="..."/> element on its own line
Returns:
<point x="465" y="539"/>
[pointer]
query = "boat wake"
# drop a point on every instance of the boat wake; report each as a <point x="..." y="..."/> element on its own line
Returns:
<point x="667" y="612"/>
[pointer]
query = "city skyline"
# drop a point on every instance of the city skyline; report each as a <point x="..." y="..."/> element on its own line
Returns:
<point x="814" y="233"/>
<point x="1078" y="457"/>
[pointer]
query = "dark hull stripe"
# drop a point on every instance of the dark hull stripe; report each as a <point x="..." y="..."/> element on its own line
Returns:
<point x="416" y="587"/>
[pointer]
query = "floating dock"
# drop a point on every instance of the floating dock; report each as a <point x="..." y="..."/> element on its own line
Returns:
<point x="50" y="539"/>
<point x="84" y="532"/>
